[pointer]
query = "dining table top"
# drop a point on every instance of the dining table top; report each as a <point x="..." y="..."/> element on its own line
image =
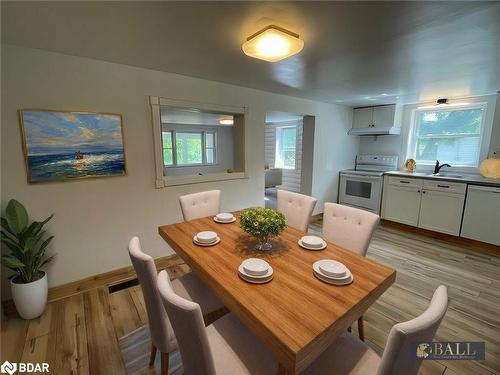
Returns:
<point x="296" y="315"/>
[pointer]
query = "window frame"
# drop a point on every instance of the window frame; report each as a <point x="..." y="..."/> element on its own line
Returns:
<point x="203" y="134"/>
<point x="413" y="140"/>
<point x="279" y="146"/>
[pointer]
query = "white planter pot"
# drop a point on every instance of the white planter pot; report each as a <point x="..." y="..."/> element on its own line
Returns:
<point x="30" y="299"/>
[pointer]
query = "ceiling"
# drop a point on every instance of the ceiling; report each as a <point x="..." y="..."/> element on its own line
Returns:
<point x="356" y="53"/>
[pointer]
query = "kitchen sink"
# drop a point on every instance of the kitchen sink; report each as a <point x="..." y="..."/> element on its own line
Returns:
<point x="447" y="175"/>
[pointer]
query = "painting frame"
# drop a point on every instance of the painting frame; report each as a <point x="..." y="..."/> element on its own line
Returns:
<point x="25" y="146"/>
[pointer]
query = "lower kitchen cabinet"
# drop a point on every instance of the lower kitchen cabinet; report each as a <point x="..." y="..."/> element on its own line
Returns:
<point x="441" y="211"/>
<point x="401" y="204"/>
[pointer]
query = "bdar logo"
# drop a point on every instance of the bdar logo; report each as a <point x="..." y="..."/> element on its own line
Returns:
<point x="422" y="350"/>
<point x="8" y="368"/>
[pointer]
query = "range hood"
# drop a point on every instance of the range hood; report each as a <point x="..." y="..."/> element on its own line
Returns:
<point x="390" y="130"/>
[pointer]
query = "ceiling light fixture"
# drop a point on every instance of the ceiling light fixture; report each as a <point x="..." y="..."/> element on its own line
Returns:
<point x="226" y="121"/>
<point x="272" y="44"/>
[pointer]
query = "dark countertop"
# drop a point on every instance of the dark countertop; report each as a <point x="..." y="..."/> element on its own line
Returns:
<point x="471" y="179"/>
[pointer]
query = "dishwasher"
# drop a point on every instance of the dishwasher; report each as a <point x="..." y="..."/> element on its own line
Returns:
<point x="482" y="214"/>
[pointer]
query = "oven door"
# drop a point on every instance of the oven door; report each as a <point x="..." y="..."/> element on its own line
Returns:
<point x="361" y="191"/>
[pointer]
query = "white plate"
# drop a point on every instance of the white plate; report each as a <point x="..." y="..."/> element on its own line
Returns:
<point x="206" y="237"/>
<point x="332" y="268"/>
<point x="312" y="248"/>
<point x="334" y="281"/>
<point x="313" y="242"/>
<point x="217" y="240"/>
<point x="255" y="267"/>
<point x="224" y="222"/>
<point x="317" y="269"/>
<point x="225" y="217"/>
<point x="255" y="281"/>
<point x="268" y="274"/>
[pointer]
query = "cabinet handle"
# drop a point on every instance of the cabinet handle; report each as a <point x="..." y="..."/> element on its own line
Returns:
<point x="418" y="191"/>
<point x="443" y="186"/>
<point x="404" y="182"/>
<point x="423" y="192"/>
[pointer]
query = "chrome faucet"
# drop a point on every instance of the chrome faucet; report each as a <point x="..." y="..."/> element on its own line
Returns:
<point x="438" y="167"/>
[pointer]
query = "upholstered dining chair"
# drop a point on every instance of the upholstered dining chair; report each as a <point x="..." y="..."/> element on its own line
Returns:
<point x="224" y="347"/>
<point x="187" y="286"/>
<point x="297" y="208"/>
<point x="197" y="205"/>
<point x="348" y="355"/>
<point x="352" y="229"/>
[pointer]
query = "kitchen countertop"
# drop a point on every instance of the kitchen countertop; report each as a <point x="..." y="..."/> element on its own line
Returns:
<point x="471" y="179"/>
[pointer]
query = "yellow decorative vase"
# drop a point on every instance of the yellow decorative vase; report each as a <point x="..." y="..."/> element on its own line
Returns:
<point x="490" y="168"/>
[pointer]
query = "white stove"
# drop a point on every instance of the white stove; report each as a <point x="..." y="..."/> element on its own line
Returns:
<point x="362" y="187"/>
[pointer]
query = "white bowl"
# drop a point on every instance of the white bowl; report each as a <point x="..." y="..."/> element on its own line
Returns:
<point x="332" y="268"/>
<point x="206" y="237"/>
<point x="255" y="267"/>
<point x="224" y="216"/>
<point x="312" y="241"/>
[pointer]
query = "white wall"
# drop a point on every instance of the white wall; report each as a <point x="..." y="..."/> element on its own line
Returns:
<point x="397" y="145"/>
<point x="95" y="218"/>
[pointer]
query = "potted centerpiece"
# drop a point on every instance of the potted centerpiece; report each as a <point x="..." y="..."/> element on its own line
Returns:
<point x="28" y="244"/>
<point x="263" y="224"/>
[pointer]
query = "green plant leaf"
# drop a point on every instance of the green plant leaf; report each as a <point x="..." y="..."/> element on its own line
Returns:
<point x="5" y="225"/>
<point x="17" y="216"/>
<point x="12" y="262"/>
<point x="45" y="244"/>
<point x="14" y="247"/>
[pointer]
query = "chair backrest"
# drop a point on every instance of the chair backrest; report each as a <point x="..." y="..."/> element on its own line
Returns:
<point x="349" y="227"/>
<point x="399" y="356"/>
<point x="297" y="208"/>
<point x="159" y="326"/>
<point x="205" y="203"/>
<point x="187" y="322"/>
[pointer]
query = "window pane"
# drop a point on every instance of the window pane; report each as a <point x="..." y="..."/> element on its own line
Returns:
<point x="167" y="139"/>
<point x="210" y="155"/>
<point x="449" y="136"/>
<point x="167" y="156"/>
<point x="209" y="140"/>
<point x="289" y="159"/>
<point x="188" y="148"/>
<point x="289" y="137"/>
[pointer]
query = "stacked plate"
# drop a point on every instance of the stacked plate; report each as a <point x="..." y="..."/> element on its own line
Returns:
<point x="256" y="271"/>
<point x="206" y="238"/>
<point x="332" y="272"/>
<point x="312" y="243"/>
<point x="224" y="218"/>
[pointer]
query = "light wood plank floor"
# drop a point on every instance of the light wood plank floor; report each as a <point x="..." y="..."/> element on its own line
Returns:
<point x="79" y="334"/>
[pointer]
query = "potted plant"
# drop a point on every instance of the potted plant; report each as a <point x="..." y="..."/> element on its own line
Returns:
<point x="27" y="244"/>
<point x="262" y="223"/>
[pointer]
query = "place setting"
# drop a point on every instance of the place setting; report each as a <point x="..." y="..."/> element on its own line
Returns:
<point x="224" y="218"/>
<point x="206" y="238"/>
<point x="255" y="271"/>
<point x="312" y="243"/>
<point x="332" y="272"/>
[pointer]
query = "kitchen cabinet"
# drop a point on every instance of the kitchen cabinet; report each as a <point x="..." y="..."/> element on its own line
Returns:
<point x="382" y="116"/>
<point x="482" y="214"/>
<point x="362" y="117"/>
<point x="432" y="205"/>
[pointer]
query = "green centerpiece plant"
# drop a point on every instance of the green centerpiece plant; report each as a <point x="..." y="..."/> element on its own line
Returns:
<point x="263" y="224"/>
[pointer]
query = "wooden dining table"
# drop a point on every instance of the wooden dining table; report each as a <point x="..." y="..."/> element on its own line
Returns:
<point x="296" y="315"/>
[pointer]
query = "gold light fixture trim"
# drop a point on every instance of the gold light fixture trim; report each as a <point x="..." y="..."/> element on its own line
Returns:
<point x="273" y="43"/>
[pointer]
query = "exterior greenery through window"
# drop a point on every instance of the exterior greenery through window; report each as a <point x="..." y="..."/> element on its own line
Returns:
<point x="450" y="135"/>
<point x="286" y="142"/>
<point x="184" y="148"/>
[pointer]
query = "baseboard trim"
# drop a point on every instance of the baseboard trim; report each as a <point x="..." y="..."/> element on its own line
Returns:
<point x="472" y="244"/>
<point x="106" y="279"/>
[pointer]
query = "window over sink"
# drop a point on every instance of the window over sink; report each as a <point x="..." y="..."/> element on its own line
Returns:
<point x="448" y="133"/>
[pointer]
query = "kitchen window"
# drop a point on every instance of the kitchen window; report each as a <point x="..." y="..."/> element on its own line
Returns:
<point x="286" y="147"/>
<point x="185" y="148"/>
<point x="451" y="134"/>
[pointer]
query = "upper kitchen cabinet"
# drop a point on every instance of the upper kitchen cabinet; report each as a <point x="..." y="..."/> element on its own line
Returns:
<point x="379" y="120"/>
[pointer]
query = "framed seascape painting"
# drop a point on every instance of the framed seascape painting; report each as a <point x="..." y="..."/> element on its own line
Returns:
<point x="61" y="145"/>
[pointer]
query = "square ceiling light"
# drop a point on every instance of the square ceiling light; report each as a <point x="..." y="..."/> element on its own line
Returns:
<point x="273" y="44"/>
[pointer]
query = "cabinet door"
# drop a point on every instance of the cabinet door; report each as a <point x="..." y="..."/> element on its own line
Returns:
<point x="441" y="212"/>
<point x="362" y="117"/>
<point x="383" y="116"/>
<point x="401" y="204"/>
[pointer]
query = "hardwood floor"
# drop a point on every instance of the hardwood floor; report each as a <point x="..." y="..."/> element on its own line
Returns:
<point x="79" y="334"/>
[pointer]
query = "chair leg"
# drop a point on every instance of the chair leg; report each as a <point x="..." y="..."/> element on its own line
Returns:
<point x="361" y="329"/>
<point x="152" y="357"/>
<point x="164" y="363"/>
<point x="349" y="329"/>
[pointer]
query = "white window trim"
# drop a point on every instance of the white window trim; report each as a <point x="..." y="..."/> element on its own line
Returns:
<point x="203" y="148"/>
<point x="279" y="149"/>
<point x="412" y="146"/>
<point x="166" y="181"/>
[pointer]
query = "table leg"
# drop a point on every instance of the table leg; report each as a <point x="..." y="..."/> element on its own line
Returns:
<point x="282" y="370"/>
